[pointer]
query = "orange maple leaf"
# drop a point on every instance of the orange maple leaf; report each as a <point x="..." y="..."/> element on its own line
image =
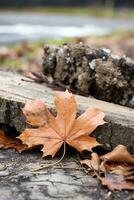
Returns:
<point x="52" y="132"/>
<point x="7" y="142"/>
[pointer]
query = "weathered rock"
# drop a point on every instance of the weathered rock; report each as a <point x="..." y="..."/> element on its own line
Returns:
<point x="91" y="72"/>
<point x="14" y="92"/>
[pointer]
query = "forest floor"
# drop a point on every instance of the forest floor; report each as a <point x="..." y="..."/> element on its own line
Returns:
<point x="69" y="179"/>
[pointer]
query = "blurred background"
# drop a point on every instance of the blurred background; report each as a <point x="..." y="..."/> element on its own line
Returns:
<point x="25" y="26"/>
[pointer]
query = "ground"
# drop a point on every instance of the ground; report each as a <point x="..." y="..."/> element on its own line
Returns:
<point x="67" y="180"/>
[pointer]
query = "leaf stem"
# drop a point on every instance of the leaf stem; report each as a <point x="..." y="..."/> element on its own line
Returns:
<point x="44" y="166"/>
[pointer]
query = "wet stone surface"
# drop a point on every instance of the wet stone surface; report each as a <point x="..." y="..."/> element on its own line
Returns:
<point x="68" y="180"/>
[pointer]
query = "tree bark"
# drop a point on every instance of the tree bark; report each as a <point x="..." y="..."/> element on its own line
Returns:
<point x="93" y="72"/>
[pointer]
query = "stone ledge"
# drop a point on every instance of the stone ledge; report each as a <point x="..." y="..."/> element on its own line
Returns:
<point x="14" y="92"/>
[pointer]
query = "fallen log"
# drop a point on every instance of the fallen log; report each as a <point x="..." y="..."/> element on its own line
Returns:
<point x="16" y="90"/>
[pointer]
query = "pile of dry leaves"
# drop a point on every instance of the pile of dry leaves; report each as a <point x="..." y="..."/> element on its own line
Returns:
<point x="114" y="169"/>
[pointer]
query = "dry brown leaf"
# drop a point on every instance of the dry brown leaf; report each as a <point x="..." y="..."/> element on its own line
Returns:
<point x="94" y="163"/>
<point x="7" y="142"/>
<point x="52" y="132"/>
<point x="116" y="182"/>
<point x="119" y="154"/>
<point x="37" y="77"/>
<point x="118" y="176"/>
<point x="118" y="168"/>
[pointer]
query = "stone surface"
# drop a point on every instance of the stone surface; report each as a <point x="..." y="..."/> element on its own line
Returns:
<point x="68" y="180"/>
<point x="15" y="92"/>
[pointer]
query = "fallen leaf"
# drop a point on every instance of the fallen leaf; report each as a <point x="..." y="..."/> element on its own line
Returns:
<point x="94" y="163"/>
<point x="7" y="142"/>
<point x="52" y="132"/>
<point x="37" y="77"/>
<point x="119" y="154"/>
<point x="118" y="168"/>
<point x="116" y="182"/>
<point x="118" y="176"/>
